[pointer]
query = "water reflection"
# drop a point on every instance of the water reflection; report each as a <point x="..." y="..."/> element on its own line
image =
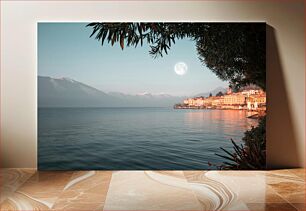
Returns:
<point x="220" y="121"/>
<point x="130" y="138"/>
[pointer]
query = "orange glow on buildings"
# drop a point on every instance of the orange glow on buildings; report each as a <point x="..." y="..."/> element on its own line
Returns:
<point x="253" y="99"/>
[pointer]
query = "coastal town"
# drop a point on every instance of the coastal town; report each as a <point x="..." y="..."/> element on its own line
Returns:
<point x="251" y="99"/>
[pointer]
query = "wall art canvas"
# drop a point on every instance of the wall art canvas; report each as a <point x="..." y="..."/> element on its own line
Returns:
<point x="151" y="95"/>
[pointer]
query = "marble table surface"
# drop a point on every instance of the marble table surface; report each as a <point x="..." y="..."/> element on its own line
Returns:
<point x="28" y="189"/>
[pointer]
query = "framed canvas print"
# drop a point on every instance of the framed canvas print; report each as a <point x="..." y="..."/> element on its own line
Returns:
<point x="151" y="95"/>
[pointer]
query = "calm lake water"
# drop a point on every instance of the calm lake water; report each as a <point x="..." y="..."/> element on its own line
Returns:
<point x="135" y="138"/>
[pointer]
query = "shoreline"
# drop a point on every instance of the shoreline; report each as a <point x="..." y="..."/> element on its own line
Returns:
<point x="211" y="108"/>
<point x="256" y="114"/>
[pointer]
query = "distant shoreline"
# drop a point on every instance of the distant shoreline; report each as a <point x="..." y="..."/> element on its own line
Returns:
<point x="159" y="107"/>
<point x="103" y="107"/>
<point x="204" y="108"/>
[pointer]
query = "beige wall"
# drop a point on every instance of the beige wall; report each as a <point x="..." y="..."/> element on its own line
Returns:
<point x="285" y="63"/>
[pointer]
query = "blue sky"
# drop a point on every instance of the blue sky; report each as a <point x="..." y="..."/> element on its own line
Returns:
<point x="65" y="50"/>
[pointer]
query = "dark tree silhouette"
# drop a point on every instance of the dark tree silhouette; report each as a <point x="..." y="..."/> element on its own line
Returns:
<point x="250" y="155"/>
<point x="219" y="94"/>
<point x="235" y="52"/>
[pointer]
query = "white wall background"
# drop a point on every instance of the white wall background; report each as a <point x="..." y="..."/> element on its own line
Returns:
<point x="285" y="63"/>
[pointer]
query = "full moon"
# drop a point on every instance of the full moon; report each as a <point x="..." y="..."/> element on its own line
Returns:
<point x="180" y="68"/>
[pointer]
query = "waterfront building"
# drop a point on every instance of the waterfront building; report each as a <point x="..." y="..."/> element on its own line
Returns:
<point x="256" y="102"/>
<point x="229" y="91"/>
<point x="199" y="101"/>
<point x="250" y="99"/>
<point x="234" y="99"/>
<point x="191" y="102"/>
<point x="250" y="92"/>
<point x="217" y="101"/>
<point x="208" y="101"/>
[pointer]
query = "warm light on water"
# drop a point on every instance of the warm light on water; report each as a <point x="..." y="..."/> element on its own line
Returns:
<point x="136" y="138"/>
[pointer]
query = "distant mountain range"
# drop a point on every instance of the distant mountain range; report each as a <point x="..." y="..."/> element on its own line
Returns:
<point x="66" y="92"/>
<point x="213" y="92"/>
